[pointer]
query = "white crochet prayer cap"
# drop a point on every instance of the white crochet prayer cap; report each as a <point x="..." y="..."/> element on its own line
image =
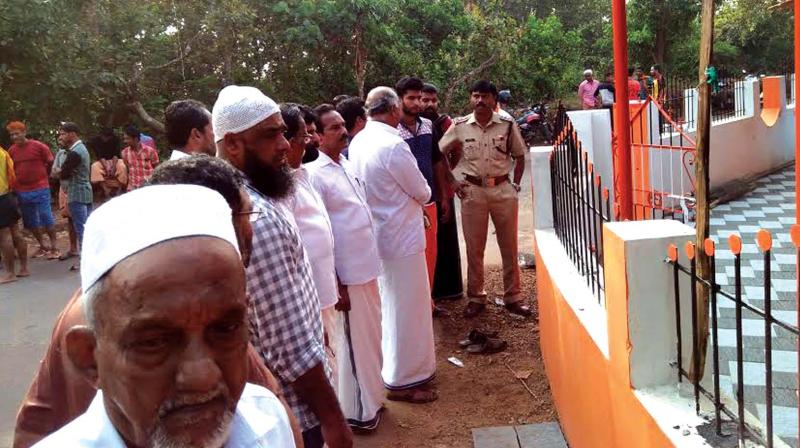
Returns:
<point x="588" y="72"/>
<point x="239" y="108"/>
<point x="147" y="216"/>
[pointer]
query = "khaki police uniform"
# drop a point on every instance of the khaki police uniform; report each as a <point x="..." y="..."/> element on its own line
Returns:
<point x="488" y="154"/>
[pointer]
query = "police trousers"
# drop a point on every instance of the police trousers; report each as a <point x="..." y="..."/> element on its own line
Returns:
<point x="477" y="206"/>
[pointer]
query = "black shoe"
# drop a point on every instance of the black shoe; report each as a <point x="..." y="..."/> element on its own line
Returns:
<point x="518" y="309"/>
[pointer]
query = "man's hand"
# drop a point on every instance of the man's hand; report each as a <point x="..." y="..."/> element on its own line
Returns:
<point x="460" y="188"/>
<point x="446" y="210"/>
<point x="337" y="436"/>
<point x="344" y="299"/>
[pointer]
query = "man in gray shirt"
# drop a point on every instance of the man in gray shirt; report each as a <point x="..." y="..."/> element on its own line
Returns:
<point x="76" y="170"/>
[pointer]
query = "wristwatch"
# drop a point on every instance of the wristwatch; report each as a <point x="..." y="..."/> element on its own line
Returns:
<point x="516" y="187"/>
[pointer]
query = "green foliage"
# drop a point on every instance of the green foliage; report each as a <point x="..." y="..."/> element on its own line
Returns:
<point x="92" y="61"/>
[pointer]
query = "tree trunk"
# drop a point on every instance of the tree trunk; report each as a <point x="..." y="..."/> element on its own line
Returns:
<point x="137" y="108"/>
<point x="360" y="55"/>
<point x="701" y="186"/>
<point x="660" y="45"/>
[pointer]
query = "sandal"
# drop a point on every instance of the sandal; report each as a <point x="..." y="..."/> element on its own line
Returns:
<point x="54" y="255"/>
<point x="477" y="337"/>
<point x="487" y="347"/>
<point x="417" y="396"/>
<point x="67" y="256"/>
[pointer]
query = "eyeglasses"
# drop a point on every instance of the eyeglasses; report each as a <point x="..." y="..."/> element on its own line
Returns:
<point x="253" y="215"/>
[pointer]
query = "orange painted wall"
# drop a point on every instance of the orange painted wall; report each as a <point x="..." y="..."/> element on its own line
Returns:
<point x="596" y="405"/>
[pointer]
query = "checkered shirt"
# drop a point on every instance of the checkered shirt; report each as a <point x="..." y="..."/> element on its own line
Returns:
<point x="140" y="165"/>
<point x="285" y="320"/>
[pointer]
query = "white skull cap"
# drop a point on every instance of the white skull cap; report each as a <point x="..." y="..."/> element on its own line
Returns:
<point x="588" y="72"/>
<point x="239" y="108"/>
<point x="147" y="216"/>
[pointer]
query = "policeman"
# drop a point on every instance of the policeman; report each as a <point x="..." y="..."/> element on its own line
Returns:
<point x="490" y="145"/>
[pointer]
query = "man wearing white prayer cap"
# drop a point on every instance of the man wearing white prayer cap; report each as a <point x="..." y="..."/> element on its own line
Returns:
<point x="166" y="347"/>
<point x="284" y="307"/>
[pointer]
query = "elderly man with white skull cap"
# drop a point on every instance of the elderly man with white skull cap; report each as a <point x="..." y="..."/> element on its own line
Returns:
<point x="284" y="307"/>
<point x="165" y="347"/>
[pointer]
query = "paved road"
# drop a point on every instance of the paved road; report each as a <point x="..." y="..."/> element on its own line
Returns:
<point x="28" y="309"/>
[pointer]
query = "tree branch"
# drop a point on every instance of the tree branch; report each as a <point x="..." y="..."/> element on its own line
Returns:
<point x="451" y="87"/>
<point x="136" y="107"/>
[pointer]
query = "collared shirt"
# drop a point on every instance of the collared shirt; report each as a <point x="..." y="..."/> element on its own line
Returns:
<point x="285" y="320"/>
<point x="586" y="93"/>
<point x="141" y="164"/>
<point x="488" y="151"/>
<point x="79" y="188"/>
<point x="315" y="229"/>
<point x="178" y="154"/>
<point x="425" y="150"/>
<point x="31" y="163"/>
<point x="59" y="392"/>
<point x="260" y="421"/>
<point x="396" y="189"/>
<point x="355" y="247"/>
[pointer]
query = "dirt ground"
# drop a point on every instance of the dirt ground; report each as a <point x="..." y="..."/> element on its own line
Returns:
<point x="482" y="393"/>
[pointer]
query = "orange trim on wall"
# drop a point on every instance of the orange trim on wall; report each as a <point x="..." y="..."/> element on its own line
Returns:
<point x="596" y="405"/>
<point x="771" y="91"/>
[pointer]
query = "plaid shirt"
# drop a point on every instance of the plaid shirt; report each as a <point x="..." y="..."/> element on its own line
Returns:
<point x="140" y="165"/>
<point x="285" y="321"/>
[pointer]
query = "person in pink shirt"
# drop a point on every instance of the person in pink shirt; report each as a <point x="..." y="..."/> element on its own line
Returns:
<point x="587" y="90"/>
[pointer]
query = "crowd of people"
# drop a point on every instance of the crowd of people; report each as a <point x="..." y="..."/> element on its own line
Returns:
<point x="275" y="280"/>
<point x="594" y="94"/>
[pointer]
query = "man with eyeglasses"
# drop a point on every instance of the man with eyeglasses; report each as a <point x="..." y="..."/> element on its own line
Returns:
<point x="314" y="224"/>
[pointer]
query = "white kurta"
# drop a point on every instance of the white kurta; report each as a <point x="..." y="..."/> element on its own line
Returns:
<point x="357" y="333"/>
<point x="396" y="192"/>
<point x="260" y="421"/>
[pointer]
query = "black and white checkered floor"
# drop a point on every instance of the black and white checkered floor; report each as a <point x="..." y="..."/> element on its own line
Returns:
<point x="770" y="206"/>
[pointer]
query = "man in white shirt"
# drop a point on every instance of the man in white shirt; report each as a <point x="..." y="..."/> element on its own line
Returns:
<point x="356" y="258"/>
<point x="167" y="348"/>
<point x="188" y="128"/>
<point x="314" y="225"/>
<point x="396" y="193"/>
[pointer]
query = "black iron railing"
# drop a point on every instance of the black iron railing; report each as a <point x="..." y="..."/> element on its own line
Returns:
<point x="745" y="431"/>
<point x="788" y="78"/>
<point x="680" y="100"/>
<point x="580" y="207"/>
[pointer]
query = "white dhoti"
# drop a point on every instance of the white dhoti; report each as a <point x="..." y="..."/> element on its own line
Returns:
<point x="358" y="357"/>
<point x="409" y="358"/>
<point x="332" y="328"/>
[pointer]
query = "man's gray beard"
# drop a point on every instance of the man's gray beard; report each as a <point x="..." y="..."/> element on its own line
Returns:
<point x="160" y="438"/>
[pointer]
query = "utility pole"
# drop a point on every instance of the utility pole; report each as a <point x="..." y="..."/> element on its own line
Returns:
<point x="622" y="119"/>
<point x="703" y="213"/>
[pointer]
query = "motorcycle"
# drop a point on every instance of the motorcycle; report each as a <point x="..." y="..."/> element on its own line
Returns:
<point x="533" y="122"/>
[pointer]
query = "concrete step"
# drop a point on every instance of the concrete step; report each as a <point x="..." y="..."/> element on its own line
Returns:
<point x="540" y="435"/>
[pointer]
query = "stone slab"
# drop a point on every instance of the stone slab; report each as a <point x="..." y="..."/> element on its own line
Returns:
<point x="495" y="437"/>
<point x="542" y="435"/>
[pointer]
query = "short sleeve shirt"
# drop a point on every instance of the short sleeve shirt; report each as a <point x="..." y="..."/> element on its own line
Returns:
<point x="487" y="151"/>
<point x="425" y="149"/>
<point x="31" y="162"/>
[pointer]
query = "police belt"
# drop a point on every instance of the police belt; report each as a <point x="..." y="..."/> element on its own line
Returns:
<point x="486" y="181"/>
